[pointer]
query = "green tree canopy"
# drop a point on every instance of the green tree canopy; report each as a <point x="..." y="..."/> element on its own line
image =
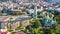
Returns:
<point x="36" y="23"/>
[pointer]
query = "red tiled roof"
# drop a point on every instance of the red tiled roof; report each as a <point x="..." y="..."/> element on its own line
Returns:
<point x="3" y="32"/>
<point x="20" y="32"/>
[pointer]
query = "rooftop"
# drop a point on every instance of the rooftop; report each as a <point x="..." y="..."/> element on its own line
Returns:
<point x="20" y="32"/>
<point x="3" y="18"/>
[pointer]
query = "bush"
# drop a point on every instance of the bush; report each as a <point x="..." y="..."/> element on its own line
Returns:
<point x="10" y="30"/>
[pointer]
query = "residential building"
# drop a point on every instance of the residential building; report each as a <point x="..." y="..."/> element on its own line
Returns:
<point x="12" y="22"/>
<point x="3" y="27"/>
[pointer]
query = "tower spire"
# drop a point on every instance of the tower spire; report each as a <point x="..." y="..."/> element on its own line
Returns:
<point x="35" y="12"/>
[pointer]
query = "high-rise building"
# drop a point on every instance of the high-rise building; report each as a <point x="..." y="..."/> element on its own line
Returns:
<point x="36" y="0"/>
<point x="47" y="0"/>
<point x="52" y="1"/>
<point x="55" y="1"/>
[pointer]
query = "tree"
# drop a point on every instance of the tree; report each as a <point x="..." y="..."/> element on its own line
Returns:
<point x="10" y="30"/>
<point x="0" y="14"/>
<point x="57" y="31"/>
<point x="35" y="23"/>
<point x="38" y="31"/>
<point x="47" y="31"/>
<point x="57" y="18"/>
<point x="38" y="13"/>
<point x="13" y="33"/>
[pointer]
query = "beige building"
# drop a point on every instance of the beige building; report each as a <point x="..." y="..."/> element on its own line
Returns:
<point x="24" y="23"/>
<point x="3" y="27"/>
<point x="12" y="25"/>
<point x="12" y="22"/>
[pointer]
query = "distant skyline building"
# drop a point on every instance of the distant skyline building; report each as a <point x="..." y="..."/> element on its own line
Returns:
<point x="52" y="1"/>
<point x="47" y="0"/>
